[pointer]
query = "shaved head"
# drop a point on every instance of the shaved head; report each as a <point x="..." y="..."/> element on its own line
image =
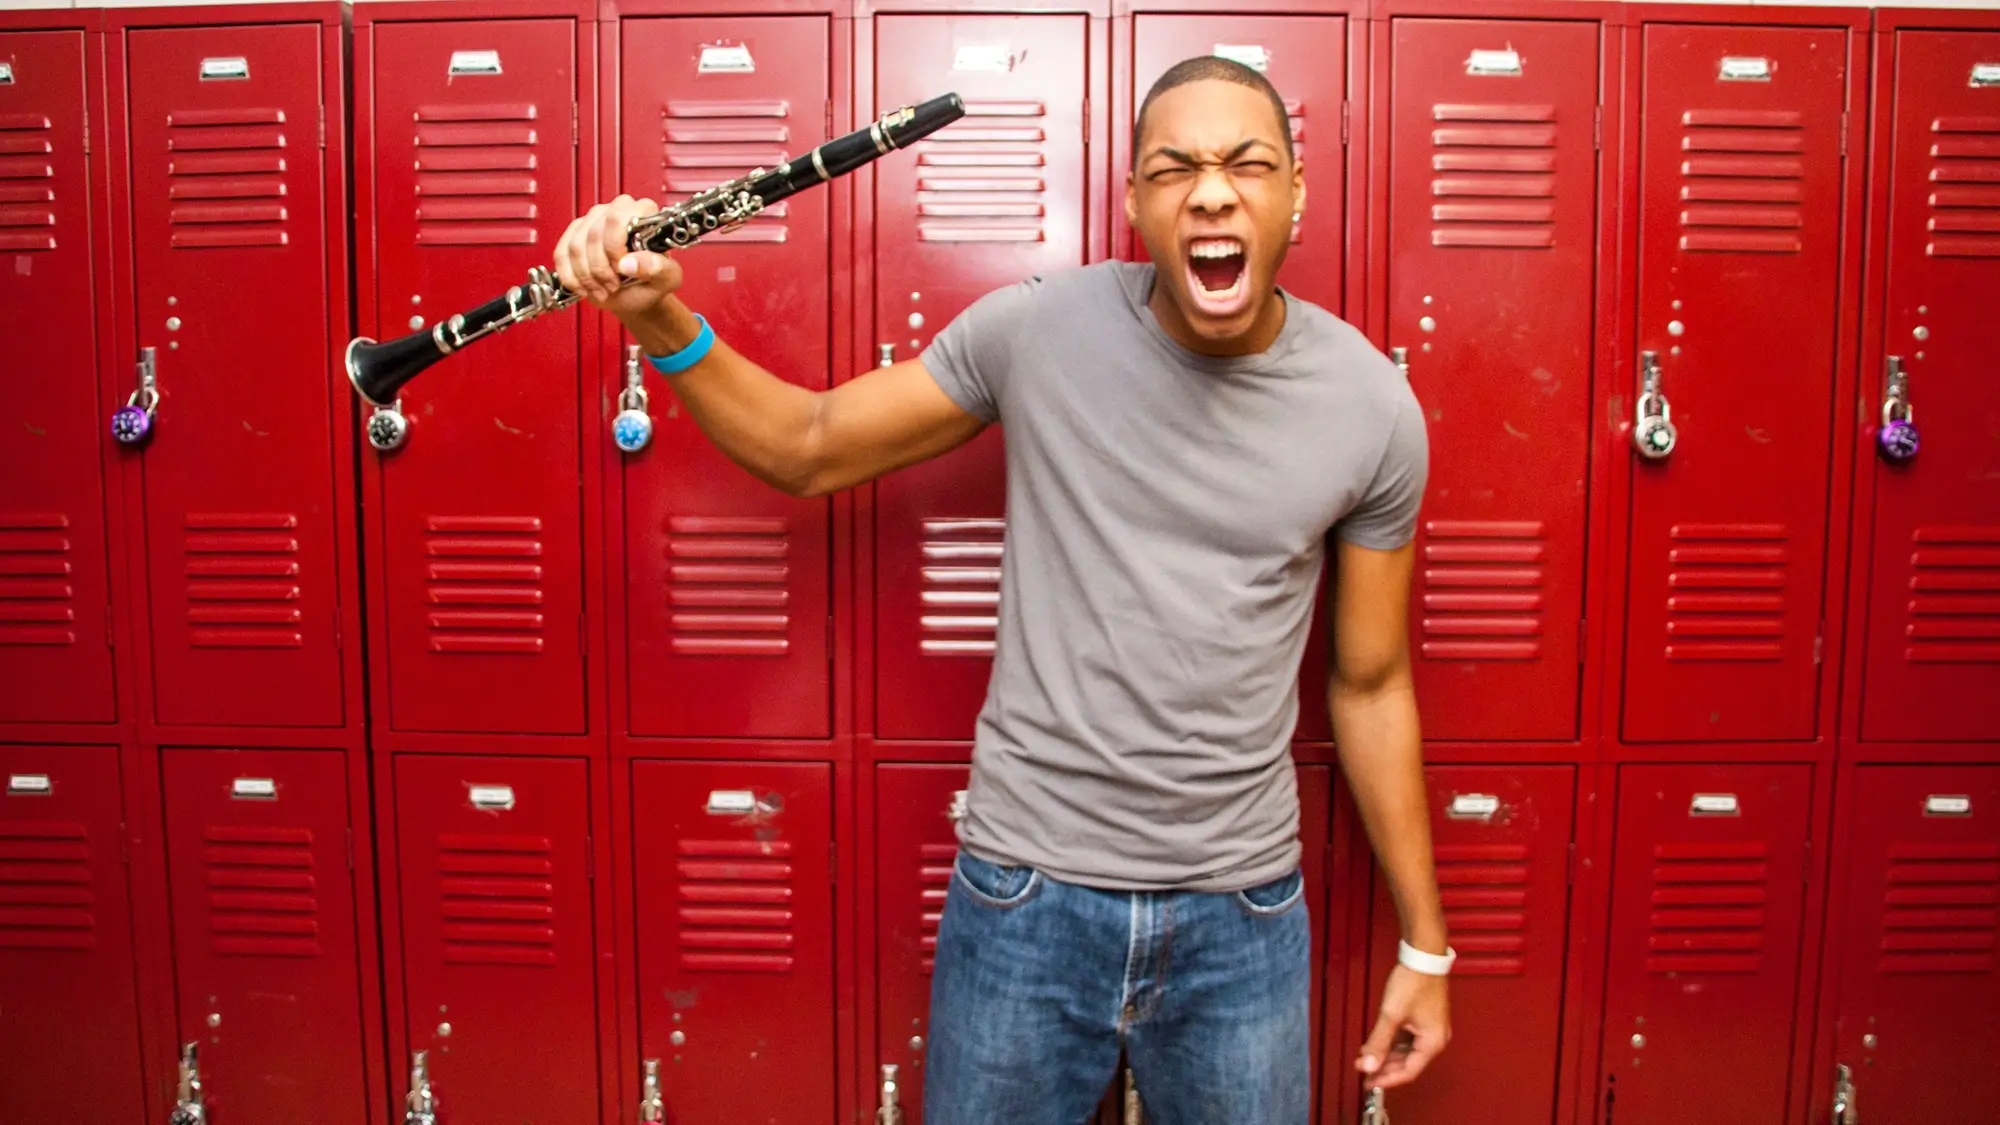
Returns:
<point x="1208" y="68"/>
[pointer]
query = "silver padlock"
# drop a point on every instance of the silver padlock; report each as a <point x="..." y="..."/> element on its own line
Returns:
<point x="388" y="427"/>
<point x="188" y="1109"/>
<point x="1653" y="428"/>
<point x="419" y="1106"/>
<point x="632" y="428"/>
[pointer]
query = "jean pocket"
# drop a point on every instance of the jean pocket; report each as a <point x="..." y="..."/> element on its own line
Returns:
<point x="995" y="884"/>
<point x="1275" y="897"/>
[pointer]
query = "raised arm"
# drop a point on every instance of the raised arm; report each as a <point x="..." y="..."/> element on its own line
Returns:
<point x="804" y="442"/>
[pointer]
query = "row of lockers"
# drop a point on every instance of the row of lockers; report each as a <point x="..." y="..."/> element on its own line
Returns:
<point x="674" y="942"/>
<point x="1774" y="230"/>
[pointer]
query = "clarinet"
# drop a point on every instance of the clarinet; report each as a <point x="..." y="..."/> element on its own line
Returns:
<point x="379" y="371"/>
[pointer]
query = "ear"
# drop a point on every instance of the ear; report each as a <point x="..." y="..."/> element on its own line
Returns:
<point x="1131" y="200"/>
<point x="1298" y="187"/>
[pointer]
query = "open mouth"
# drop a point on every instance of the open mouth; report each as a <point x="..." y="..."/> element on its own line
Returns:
<point x="1217" y="266"/>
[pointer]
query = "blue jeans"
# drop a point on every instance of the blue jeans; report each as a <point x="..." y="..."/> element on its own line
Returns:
<point x="1039" y="984"/>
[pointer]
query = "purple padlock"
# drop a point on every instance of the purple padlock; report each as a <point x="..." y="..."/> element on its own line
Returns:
<point x="1897" y="440"/>
<point x="131" y="423"/>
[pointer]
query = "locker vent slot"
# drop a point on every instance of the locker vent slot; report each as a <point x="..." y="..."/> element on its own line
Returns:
<point x="475" y="168"/>
<point x="1495" y="181"/>
<point x="736" y="912"/>
<point x="933" y="883"/>
<point x="1941" y="909"/>
<point x="729" y="586"/>
<point x="1482" y="590"/>
<point x="46" y="891"/>
<point x="485" y="585"/>
<point x="27" y="182"/>
<point x="712" y="142"/>
<point x="496" y="899"/>
<point x="37" y="601"/>
<point x="1954" y="607"/>
<point x="1708" y="908"/>
<point x="263" y="899"/>
<point x="1742" y="181"/>
<point x="961" y="586"/>
<point x="243" y="580"/>
<point x="1965" y="188"/>
<point x="1485" y="894"/>
<point x="1726" y="592"/>
<point x="981" y="178"/>
<point x="226" y="178"/>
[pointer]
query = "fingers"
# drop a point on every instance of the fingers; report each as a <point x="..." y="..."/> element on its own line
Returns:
<point x="1375" y="1052"/>
<point x="591" y="256"/>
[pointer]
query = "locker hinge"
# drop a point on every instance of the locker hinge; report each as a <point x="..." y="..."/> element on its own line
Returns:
<point x="1086" y="117"/>
<point x="322" y="126"/>
<point x="1806" y="874"/>
<point x="110" y="630"/>
<point x="1597" y="128"/>
<point x="829" y="117"/>
<point x="572" y="125"/>
<point x="590" y="858"/>
<point x="350" y="849"/>
<point x="1843" y="132"/>
<point x="1572" y="863"/>
<point x="338" y="640"/>
<point x="1346" y="117"/>
<point x="1819" y="644"/>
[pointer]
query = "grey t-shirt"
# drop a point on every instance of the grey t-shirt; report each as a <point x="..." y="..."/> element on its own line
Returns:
<point x="1167" y="519"/>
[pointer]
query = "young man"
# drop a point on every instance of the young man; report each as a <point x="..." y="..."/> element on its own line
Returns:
<point x="1182" y="440"/>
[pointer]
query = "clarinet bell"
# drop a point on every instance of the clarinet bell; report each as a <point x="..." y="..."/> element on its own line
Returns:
<point x="380" y="370"/>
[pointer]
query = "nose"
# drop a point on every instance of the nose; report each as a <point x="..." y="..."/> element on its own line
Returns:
<point x="1212" y="192"/>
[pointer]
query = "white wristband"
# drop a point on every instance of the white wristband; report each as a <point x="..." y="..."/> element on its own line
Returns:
<point x="1429" y="964"/>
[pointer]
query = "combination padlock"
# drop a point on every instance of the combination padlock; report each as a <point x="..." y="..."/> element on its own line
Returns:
<point x="132" y="423"/>
<point x="388" y="427"/>
<point x="1653" y="428"/>
<point x="188" y="1109"/>
<point x="632" y="428"/>
<point x="1897" y="440"/>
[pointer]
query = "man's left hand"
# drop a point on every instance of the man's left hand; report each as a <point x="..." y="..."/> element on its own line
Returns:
<point x="1414" y="1025"/>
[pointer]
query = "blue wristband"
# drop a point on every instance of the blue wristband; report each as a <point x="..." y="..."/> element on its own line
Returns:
<point x="687" y="357"/>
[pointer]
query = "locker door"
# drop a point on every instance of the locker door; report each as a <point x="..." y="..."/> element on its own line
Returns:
<point x="728" y="577"/>
<point x="1315" y="838"/>
<point x="267" y="955"/>
<point x="1933" y="627"/>
<point x="497" y="937"/>
<point x="66" y="941"/>
<point x="1493" y="195"/>
<point x="55" y="641"/>
<point x="230" y="290"/>
<point x="1502" y="841"/>
<point x="1739" y="261"/>
<point x="1919" y="985"/>
<point x="482" y="517"/>
<point x="1708" y="885"/>
<point x="915" y="844"/>
<point x="734" y="893"/>
<point x="1305" y="57"/>
<point x="988" y="201"/>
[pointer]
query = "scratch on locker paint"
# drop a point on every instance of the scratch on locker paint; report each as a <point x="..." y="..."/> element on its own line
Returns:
<point x="24" y="264"/>
<point x="1509" y="427"/>
<point x="1758" y="434"/>
<point x="34" y="429"/>
<point x="683" y="1000"/>
<point x="506" y="427"/>
<point x="248" y="428"/>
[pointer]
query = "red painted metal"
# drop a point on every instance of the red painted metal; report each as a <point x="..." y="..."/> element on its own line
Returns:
<point x="497" y="951"/>
<point x="1740" y="278"/>
<point x="1918" y="981"/>
<point x="55" y="587"/>
<point x="1502" y="837"/>
<point x="1931" y="625"/>
<point x="69" y="1019"/>
<point x="266" y="944"/>
<point x="727" y="619"/>
<point x="481" y="530"/>
<point x="1493" y="194"/>
<point x="915" y="845"/>
<point x="1708" y="894"/>
<point x="241" y="560"/>
<point x="945" y="233"/>
<point x="734" y="904"/>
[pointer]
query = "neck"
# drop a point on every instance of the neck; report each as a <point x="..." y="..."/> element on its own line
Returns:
<point x="1261" y="334"/>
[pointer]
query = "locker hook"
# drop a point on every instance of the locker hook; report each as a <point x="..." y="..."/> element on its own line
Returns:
<point x="1897" y="440"/>
<point x="188" y="1108"/>
<point x="632" y="429"/>
<point x="420" y="1108"/>
<point x="132" y="423"/>
<point x="1653" y="429"/>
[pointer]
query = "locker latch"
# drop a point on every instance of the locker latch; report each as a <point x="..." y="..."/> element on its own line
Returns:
<point x="652" y="1107"/>
<point x="1843" y="1096"/>
<point x="1897" y="439"/>
<point x="1132" y="1114"/>
<point x="632" y="429"/>
<point x="133" y="422"/>
<point x="1653" y="429"/>
<point x="891" y="1111"/>
<point x="188" y="1109"/>
<point x="420" y="1108"/>
<point x="1401" y="357"/>
<point x="388" y="427"/>
<point x="885" y="354"/>
<point x="1373" y="1111"/>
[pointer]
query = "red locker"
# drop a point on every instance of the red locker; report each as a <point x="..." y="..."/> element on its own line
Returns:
<point x="266" y="946"/>
<point x="69" y="1016"/>
<point x="497" y="954"/>
<point x="55" y="594"/>
<point x="1492" y="195"/>
<point x="728" y="579"/>
<point x="474" y="152"/>
<point x="733" y="877"/>
<point x="1502" y="837"/>
<point x="1708" y="885"/>
<point x="1932" y="635"/>
<point x="1915" y="1025"/>
<point x="1741" y="229"/>
<point x="1305" y="57"/>
<point x="988" y="201"/>
<point x="226" y="181"/>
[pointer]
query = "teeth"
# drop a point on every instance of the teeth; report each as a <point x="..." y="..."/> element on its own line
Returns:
<point x="1226" y="248"/>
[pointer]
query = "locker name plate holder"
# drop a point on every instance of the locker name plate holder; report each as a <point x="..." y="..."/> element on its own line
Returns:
<point x="1947" y="805"/>
<point x="224" y="70"/>
<point x="731" y="802"/>
<point x="1473" y="806"/>
<point x="29" y="785"/>
<point x="989" y="57"/>
<point x="726" y="59"/>
<point x="491" y="796"/>
<point x="253" y="789"/>
<point x="1713" y="804"/>
<point x="6" y="74"/>
<point x="1252" y="55"/>
<point x="1494" y="64"/>
<point x="1984" y="75"/>
<point x="1736" y="69"/>
<point x="473" y="62"/>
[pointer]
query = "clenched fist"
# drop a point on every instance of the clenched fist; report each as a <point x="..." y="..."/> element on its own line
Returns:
<point x="591" y="261"/>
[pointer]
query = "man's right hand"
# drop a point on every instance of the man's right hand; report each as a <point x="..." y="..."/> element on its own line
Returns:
<point x="591" y="261"/>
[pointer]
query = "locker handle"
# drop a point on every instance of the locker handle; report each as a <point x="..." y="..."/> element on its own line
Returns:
<point x="1373" y="1111"/>
<point x="132" y="423"/>
<point x="1653" y="425"/>
<point x="885" y="355"/>
<point x="420" y="1108"/>
<point x="1843" y="1096"/>
<point x="632" y="428"/>
<point x="188" y="1108"/>
<point x="652" y="1108"/>
<point x="890" y="1110"/>
<point x="1897" y="440"/>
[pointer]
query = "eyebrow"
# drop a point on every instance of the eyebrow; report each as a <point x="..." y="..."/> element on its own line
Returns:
<point x="1180" y="157"/>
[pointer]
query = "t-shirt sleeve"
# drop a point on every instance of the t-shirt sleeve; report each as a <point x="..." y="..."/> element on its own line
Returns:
<point x="973" y="356"/>
<point x="1386" y="517"/>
